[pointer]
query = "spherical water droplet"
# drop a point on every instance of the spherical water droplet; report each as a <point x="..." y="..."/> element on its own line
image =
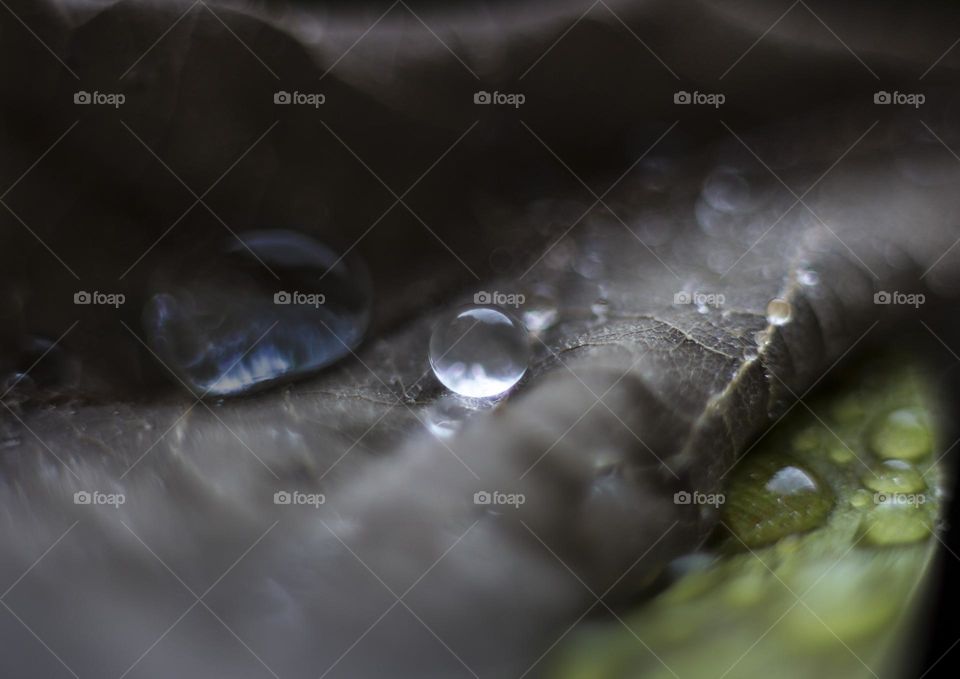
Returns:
<point x="226" y="325"/>
<point x="902" y="434"/>
<point x="779" y="312"/>
<point x="479" y="351"/>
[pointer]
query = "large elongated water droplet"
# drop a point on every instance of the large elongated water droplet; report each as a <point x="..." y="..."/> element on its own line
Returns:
<point x="272" y="306"/>
<point x="479" y="351"/>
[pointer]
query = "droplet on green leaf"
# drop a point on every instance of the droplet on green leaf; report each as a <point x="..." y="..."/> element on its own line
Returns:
<point x="772" y="497"/>
<point x="901" y="434"/>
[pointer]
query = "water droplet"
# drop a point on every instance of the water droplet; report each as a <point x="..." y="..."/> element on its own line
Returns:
<point x="779" y="312"/>
<point x="17" y="380"/>
<point x="762" y="338"/>
<point x="750" y="354"/>
<point x="447" y="416"/>
<point x="848" y="409"/>
<point x="808" y="439"/>
<point x="841" y="454"/>
<point x="226" y="325"/>
<point x="479" y="351"/>
<point x="772" y="497"/>
<point x="9" y="440"/>
<point x="38" y="363"/>
<point x="896" y="524"/>
<point x="600" y="308"/>
<point x="791" y="481"/>
<point x="589" y="264"/>
<point x="539" y="319"/>
<point x="894" y="476"/>
<point x="727" y="190"/>
<point x="808" y="277"/>
<point x="540" y="309"/>
<point x="606" y="462"/>
<point x="902" y="434"/>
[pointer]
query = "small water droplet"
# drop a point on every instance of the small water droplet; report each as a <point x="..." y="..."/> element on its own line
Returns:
<point x="226" y="325"/>
<point x="479" y="351"/>
<point x="808" y="277"/>
<point x="600" y="308"/>
<point x="727" y="190"/>
<point x="779" y="312"/>
<point x="589" y="264"/>
<point x="841" y="454"/>
<point x="901" y="434"/>
<point x="750" y="354"/>
<point x="808" y="439"/>
<point x="539" y="319"/>
<point x="540" y="310"/>
<point x="447" y="416"/>
<point x="9" y="441"/>
<point x="606" y="462"/>
<point x="894" y="476"/>
<point x="37" y="363"/>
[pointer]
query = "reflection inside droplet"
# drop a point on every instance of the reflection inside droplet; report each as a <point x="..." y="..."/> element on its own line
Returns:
<point x="274" y="306"/>
<point x="790" y="481"/>
<point x="479" y="351"/>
